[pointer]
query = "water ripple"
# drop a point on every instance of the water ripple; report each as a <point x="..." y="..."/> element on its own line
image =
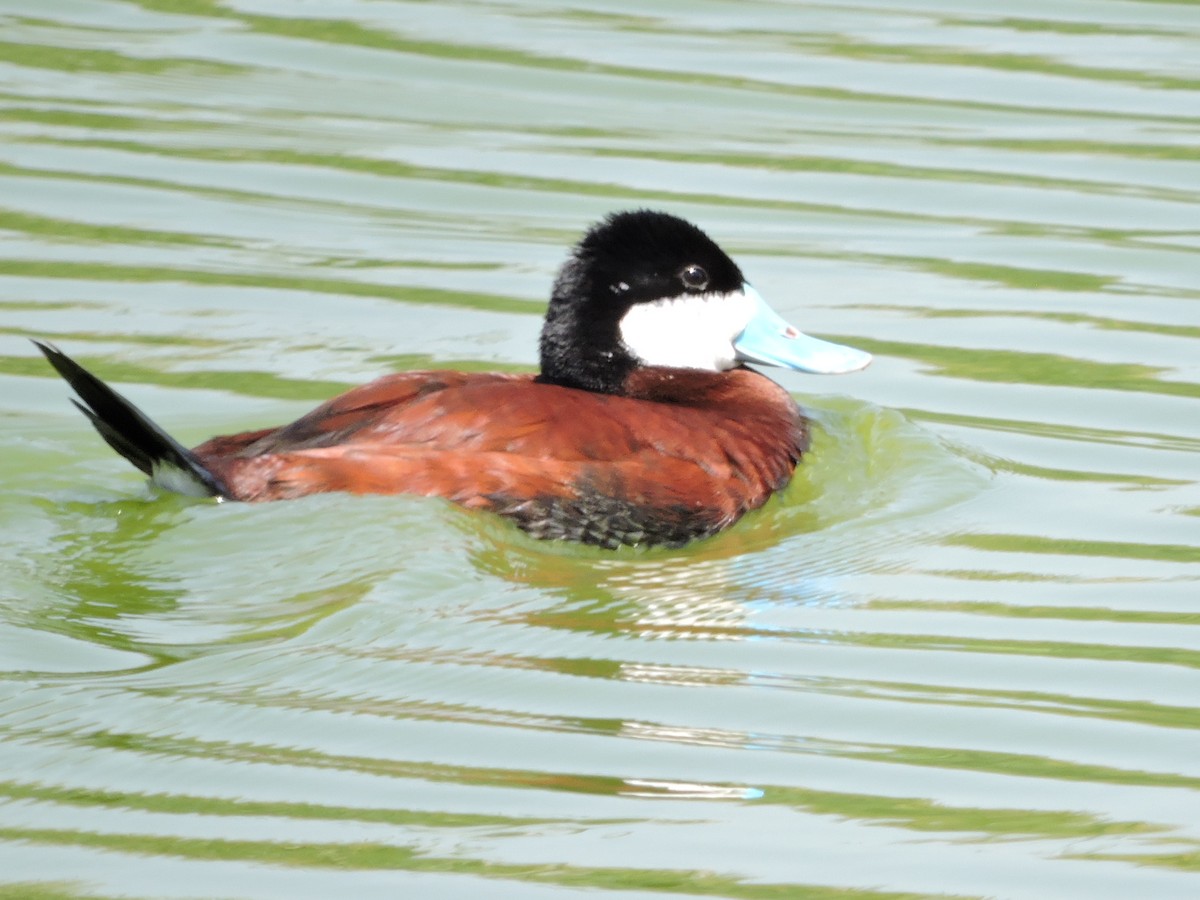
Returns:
<point x="955" y="658"/>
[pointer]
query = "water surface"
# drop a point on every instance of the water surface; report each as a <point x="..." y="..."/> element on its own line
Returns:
<point x="958" y="657"/>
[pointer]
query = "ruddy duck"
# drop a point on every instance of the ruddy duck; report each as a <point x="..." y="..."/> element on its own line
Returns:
<point x="644" y="425"/>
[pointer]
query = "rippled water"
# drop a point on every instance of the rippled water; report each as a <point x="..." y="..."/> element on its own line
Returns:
<point x="958" y="657"/>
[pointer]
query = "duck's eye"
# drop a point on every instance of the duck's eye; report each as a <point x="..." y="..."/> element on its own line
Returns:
<point x="694" y="278"/>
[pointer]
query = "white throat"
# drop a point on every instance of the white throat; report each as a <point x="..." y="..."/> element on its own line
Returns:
<point x="691" y="331"/>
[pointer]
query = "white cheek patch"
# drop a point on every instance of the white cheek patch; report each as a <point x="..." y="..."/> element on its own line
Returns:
<point x="691" y="331"/>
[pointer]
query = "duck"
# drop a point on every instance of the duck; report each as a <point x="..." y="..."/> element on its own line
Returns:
<point x="647" y="424"/>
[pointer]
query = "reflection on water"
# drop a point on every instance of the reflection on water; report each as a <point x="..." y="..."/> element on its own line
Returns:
<point x="955" y="658"/>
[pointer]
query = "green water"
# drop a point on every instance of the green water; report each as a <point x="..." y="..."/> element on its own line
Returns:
<point x="958" y="657"/>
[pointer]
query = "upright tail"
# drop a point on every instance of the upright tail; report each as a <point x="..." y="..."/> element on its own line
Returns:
<point x="130" y="432"/>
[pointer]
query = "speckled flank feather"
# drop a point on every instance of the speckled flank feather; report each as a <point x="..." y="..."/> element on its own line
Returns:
<point x="593" y="518"/>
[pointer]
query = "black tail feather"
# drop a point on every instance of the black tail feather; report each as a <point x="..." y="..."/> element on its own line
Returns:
<point x="130" y="432"/>
<point x="116" y="441"/>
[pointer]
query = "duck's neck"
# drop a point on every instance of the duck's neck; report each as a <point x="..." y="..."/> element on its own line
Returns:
<point x="581" y="346"/>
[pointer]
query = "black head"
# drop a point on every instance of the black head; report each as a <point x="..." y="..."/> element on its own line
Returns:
<point x="630" y="258"/>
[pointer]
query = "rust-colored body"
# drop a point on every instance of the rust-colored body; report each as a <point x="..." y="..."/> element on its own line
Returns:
<point x="679" y="454"/>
